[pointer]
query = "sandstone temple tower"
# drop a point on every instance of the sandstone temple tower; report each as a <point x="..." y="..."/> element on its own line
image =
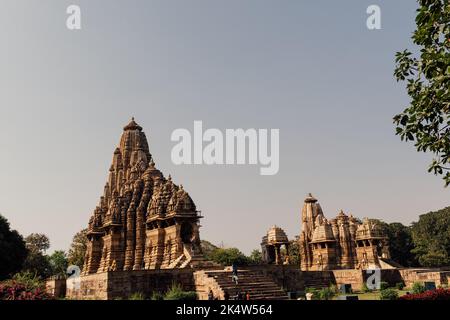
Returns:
<point x="143" y="220"/>
<point x="342" y="243"/>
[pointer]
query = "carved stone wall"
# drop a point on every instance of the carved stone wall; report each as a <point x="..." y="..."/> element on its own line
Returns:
<point x="122" y="284"/>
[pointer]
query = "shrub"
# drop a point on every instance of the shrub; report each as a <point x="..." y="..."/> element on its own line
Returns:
<point x="418" y="287"/>
<point x="24" y="286"/>
<point x="12" y="290"/>
<point x="323" y="293"/>
<point x="137" y="296"/>
<point x="388" y="294"/>
<point x="365" y="288"/>
<point x="310" y="290"/>
<point x="30" y="280"/>
<point x="177" y="293"/>
<point x="400" y="285"/>
<point x="326" y="293"/>
<point x="438" y="294"/>
<point x="384" y="285"/>
<point x="157" y="296"/>
<point x="315" y="293"/>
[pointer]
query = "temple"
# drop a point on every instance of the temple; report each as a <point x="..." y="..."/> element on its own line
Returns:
<point x="143" y="237"/>
<point x="143" y="220"/>
<point x="341" y="243"/>
<point x="272" y="245"/>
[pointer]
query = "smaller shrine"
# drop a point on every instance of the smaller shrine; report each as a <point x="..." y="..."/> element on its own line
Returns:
<point x="275" y="246"/>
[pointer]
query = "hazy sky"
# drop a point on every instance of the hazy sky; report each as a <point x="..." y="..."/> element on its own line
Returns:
<point x="310" y="68"/>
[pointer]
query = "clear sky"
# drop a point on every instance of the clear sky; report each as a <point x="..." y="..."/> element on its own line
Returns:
<point x="309" y="68"/>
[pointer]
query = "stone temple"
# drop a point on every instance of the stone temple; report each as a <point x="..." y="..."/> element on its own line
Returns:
<point x="143" y="220"/>
<point x="341" y="243"/>
<point x="144" y="236"/>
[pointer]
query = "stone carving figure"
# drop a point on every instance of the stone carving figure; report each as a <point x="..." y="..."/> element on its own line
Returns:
<point x="113" y="266"/>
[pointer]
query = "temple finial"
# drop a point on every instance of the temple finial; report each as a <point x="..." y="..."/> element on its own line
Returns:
<point x="132" y="125"/>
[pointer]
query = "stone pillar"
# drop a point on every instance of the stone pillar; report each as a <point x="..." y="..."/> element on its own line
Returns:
<point x="288" y="257"/>
<point x="130" y="240"/>
<point x="277" y="254"/>
<point x="140" y="226"/>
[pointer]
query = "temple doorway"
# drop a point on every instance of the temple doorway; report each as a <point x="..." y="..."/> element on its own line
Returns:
<point x="186" y="232"/>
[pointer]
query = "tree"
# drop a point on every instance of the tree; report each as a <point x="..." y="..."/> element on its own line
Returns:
<point x="400" y="242"/>
<point x="228" y="256"/>
<point x="12" y="250"/>
<point x="255" y="257"/>
<point x="37" y="262"/>
<point x="58" y="263"/>
<point x="37" y="242"/>
<point x="426" y="120"/>
<point x="431" y="237"/>
<point x="77" y="249"/>
<point x="294" y="251"/>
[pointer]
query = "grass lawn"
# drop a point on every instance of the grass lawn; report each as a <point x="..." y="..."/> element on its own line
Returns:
<point x="375" y="295"/>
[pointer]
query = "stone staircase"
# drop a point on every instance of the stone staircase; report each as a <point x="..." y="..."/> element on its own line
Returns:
<point x="178" y="262"/>
<point x="189" y="259"/>
<point x="260" y="287"/>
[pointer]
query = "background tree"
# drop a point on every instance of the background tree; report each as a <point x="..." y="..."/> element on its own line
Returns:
<point x="77" y="249"/>
<point x="426" y="120"/>
<point x="400" y="243"/>
<point x="58" y="263"/>
<point x="37" y="242"/>
<point x="228" y="256"/>
<point x="294" y="251"/>
<point x="12" y="250"/>
<point x="431" y="237"/>
<point x="255" y="257"/>
<point x="37" y="262"/>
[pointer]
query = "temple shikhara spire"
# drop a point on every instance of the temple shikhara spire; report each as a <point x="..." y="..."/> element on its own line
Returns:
<point x="341" y="243"/>
<point x="143" y="220"/>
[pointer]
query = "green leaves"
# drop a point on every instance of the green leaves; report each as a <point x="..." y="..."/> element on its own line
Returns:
<point x="426" y="119"/>
<point x="431" y="236"/>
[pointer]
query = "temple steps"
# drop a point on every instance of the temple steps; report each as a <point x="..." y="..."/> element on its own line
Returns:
<point x="177" y="262"/>
<point x="259" y="286"/>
